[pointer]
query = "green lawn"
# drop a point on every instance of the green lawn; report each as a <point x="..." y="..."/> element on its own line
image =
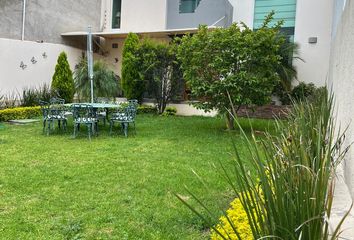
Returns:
<point x="57" y="187"/>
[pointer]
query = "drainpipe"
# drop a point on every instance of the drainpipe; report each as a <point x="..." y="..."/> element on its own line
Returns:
<point x="23" y="20"/>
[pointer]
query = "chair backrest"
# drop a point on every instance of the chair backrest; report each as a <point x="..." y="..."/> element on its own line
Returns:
<point x="45" y="108"/>
<point x="56" y="100"/>
<point x="81" y="110"/>
<point x="130" y="112"/>
<point x="56" y="107"/>
<point x="133" y="102"/>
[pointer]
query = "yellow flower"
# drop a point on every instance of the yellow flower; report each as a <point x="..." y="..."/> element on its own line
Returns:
<point x="238" y="217"/>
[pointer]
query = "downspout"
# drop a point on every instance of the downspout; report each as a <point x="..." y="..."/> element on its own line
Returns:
<point x="23" y="20"/>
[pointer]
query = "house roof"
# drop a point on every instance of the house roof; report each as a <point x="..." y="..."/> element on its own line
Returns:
<point x="122" y="34"/>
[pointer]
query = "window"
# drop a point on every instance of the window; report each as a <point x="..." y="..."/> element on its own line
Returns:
<point x="188" y="6"/>
<point x="284" y="10"/>
<point x="116" y="13"/>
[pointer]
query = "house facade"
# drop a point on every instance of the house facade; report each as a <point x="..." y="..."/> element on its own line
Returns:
<point x="30" y="28"/>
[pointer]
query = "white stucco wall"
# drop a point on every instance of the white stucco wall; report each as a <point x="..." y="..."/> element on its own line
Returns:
<point x="243" y="11"/>
<point x="13" y="78"/>
<point x="341" y="80"/>
<point x="313" y="19"/>
<point x="138" y="15"/>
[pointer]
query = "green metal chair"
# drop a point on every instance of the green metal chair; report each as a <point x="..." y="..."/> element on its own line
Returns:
<point x="125" y="117"/>
<point x="53" y="111"/>
<point x="102" y="113"/>
<point x="84" y="114"/>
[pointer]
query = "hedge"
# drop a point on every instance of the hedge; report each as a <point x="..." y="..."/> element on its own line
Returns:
<point x="147" y="109"/>
<point x="19" y="113"/>
<point x="32" y="112"/>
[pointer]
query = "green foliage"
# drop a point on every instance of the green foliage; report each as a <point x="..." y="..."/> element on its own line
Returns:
<point x="105" y="82"/>
<point x="132" y="77"/>
<point x="146" y="109"/>
<point x="170" y="111"/>
<point x="291" y="195"/>
<point x="162" y="72"/>
<point x="63" y="82"/>
<point x="31" y="96"/>
<point x="19" y="113"/>
<point x="230" y="64"/>
<point x="286" y="71"/>
<point x="303" y="91"/>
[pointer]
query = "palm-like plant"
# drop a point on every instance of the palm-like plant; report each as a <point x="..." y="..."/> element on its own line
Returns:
<point x="286" y="70"/>
<point x="104" y="80"/>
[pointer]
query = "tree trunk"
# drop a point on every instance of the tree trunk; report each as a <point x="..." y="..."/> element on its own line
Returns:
<point x="230" y="121"/>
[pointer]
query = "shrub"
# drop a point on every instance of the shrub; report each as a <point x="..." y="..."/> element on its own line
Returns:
<point x="170" y="111"/>
<point x="236" y="218"/>
<point x="31" y="96"/>
<point x="162" y="72"/>
<point x="230" y="67"/>
<point x="292" y="194"/>
<point x="133" y="85"/>
<point x="147" y="109"/>
<point x="10" y="100"/>
<point x="105" y="82"/>
<point x="20" y="113"/>
<point x="303" y="91"/>
<point x="63" y="82"/>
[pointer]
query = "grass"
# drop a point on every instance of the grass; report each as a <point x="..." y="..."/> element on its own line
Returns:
<point x="57" y="187"/>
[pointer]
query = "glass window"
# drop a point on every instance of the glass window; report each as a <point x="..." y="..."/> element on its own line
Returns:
<point x="116" y="13"/>
<point x="188" y="6"/>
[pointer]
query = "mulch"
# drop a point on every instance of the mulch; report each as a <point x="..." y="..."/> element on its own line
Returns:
<point x="265" y="112"/>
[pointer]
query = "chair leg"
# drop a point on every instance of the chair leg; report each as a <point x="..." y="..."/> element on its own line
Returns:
<point x="89" y="128"/>
<point x="48" y="129"/>
<point x="111" y="127"/>
<point x="75" y="127"/>
<point x="126" y="126"/>
<point x="44" y="125"/>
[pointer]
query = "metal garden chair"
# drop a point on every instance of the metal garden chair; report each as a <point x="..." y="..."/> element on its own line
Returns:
<point x="84" y="114"/>
<point x="125" y="117"/>
<point x="53" y="111"/>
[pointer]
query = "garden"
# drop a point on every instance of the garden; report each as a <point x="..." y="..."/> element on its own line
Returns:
<point x="175" y="177"/>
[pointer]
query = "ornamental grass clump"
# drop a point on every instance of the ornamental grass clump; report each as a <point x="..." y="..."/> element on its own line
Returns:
<point x="290" y="195"/>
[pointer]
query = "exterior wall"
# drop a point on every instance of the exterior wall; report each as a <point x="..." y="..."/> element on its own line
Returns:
<point x="138" y="15"/>
<point x="208" y="12"/>
<point x="47" y="19"/>
<point x="14" y="79"/>
<point x="313" y="19"/>
<point x="341" y="81"/>
<point x="243" y="11"/>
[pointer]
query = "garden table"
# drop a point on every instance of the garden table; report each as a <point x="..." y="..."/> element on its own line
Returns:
<point x="96" y="106"/>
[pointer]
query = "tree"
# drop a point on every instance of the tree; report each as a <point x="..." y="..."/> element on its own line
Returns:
<point x="105" y="82"/>
<point x="62" y="81"/>
<point x="229" y="67"/>
<point x="162" y="73"/>
<point x="132" y="80"/>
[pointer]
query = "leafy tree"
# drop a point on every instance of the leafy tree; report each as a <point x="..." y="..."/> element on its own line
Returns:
<point x="62" y="81"/>
<point x="229" y="67"/>
<point x="162" y="73"/>
<point x="132" y="79"/>
<point x="105" y="82"/>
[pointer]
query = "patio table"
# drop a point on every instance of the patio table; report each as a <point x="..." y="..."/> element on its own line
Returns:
<point x="97" y="106"/>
